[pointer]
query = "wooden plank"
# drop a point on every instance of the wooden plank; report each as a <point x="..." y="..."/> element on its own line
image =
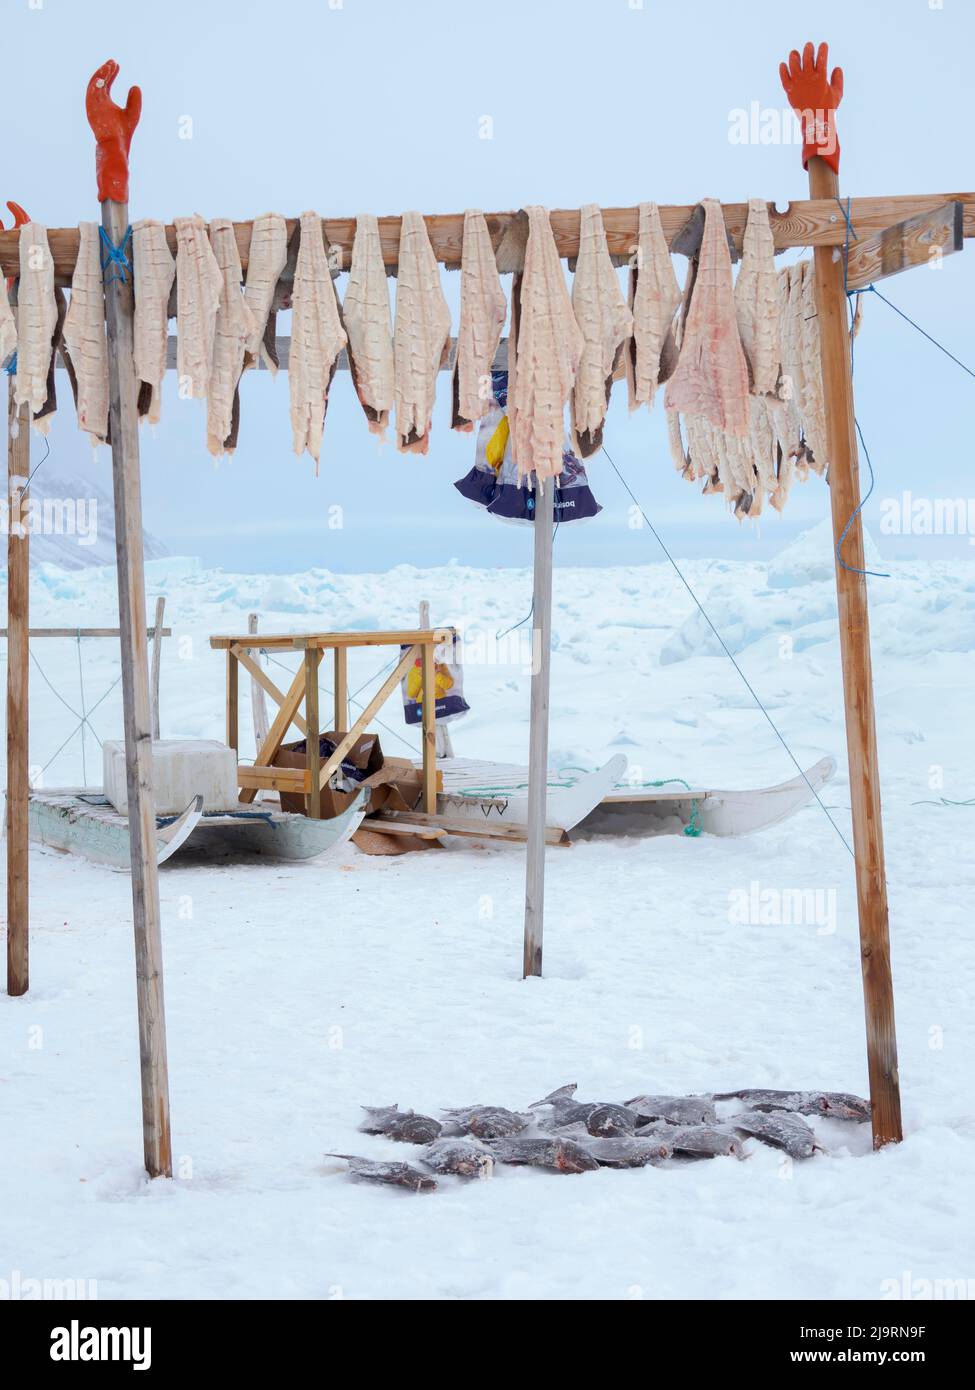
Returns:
<point x="232" y="738"/>
<point x="428" y="694"/>
<point x="475" y="829"/>
<point x="279" y="727"/>
<point x="18" y="706"/>
<point x="297" y="641"/>
<point x="119" y="308"/>
<point x="275" y="779"/>
<point x="341" y="683"/>
<point x="380" y="697"/>
<point x="854" y="630"/>
<point x="262" y="681"/>
<point x="813" y="222"/>
<point x="258" y="702"/>
<point x="538" y="731"/>
<point x="313" y="750"/>
<point x="919" y="240"/>
<point x="445" y="749"/>
<point x="155" y="670"/>
<point x="74" y="632"/>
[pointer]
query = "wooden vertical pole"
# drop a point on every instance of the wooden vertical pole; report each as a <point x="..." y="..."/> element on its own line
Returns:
<point x="258" y="702"/>
<point x="428" y="694"/>
<point x="313" y="748"/>
<point x="445" y="748"/>
<point x="18" y="714"/>
<point x="119" y="308"/>
<point x="154" y="672"/>
<point x="854" y="626"/>
<point x="341" y="692"/>
<point x="232" y="738"/>
<point x="538" y="733"/>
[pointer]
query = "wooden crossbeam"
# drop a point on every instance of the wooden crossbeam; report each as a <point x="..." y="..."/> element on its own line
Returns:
<point x="279" y="727"/>
<point x="809" y="222"/>
<point x="254" y="669"/>
<point x="291" y="641"/>
<point x="377" y="701"/>
<point x="919" y="240"/>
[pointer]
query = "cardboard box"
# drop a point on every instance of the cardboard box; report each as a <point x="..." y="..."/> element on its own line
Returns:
<point x="394" y="784"/>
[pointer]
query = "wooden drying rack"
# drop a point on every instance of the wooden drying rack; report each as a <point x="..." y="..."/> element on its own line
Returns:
<point x="420" y="646"/>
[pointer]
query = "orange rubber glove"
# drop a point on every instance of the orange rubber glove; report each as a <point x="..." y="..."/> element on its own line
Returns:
<point x="113" y="126"/>
<point x="814" y="99"/>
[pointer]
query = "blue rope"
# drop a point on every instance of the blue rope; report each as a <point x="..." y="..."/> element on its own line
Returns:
<point x="872" y="289"/>
<point x="114" y="255"/>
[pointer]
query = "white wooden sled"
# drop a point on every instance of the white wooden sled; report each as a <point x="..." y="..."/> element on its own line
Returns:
<point x="490" y="800"/>
<point x="84" y="822"/>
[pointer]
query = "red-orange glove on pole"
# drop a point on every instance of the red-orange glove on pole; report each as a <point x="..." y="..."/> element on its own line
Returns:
<point x="814" y="98"/>
<point x="20" y="220"/>
<point x="113" y="126"/>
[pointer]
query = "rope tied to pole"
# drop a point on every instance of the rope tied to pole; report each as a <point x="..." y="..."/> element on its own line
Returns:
<point x="112" y="255"/>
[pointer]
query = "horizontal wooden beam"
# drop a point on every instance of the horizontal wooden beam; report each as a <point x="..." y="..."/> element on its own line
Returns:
<point x="273" y="779"/>
<point x="809" y="222"/>
<point x="298" y="641"/>
<point x="919" y="240"/>
<point x="83" y="632"/>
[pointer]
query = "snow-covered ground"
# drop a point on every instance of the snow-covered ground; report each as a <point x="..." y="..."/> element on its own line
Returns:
<point x="295" y="993"/>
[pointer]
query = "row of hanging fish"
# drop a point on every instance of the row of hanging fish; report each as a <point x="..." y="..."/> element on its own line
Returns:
<point x="566" y="1135"/>
<point x="740" y="360"/>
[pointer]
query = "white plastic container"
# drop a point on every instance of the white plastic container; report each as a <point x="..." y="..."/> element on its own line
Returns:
<point x="181" y="769"/>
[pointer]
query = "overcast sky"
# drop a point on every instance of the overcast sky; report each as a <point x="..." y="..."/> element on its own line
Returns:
<point x="378" y="106"/>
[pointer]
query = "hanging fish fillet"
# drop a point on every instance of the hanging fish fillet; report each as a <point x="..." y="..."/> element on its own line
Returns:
<point x="421" y="335"/>
<point x="234" y="328"/>
<point x="317" y="338"/>
<point x="702" y="453"/>
<point x="266" y="258"/>
<point x="813" y="406"/>
<point x="757" y="300"/>
<point x="654" y="299"/>
<point x="762" y="442"/>
<point x="84" y="335"/>
<point x="369" y="325"/>
<point x="483" y="310"/>
<point x="678" y="451"/>
<point x="37" y="317"/>
<point x="605" y="323"/>
<point x="549" y="348"/>
<point x="8" y="325"/>
<point x="154" y="270"/>
<point x="712" y="375"/>
<point x="198" y="285"/>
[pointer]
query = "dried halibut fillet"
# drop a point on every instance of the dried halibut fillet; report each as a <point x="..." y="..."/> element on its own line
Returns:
<point x="654" y="299"/>
<point x="549" y="346"/>
<point x="483" y="310"/>
<point x="791" y="381"/>
<point x="8" y="325"/>
<point x="702" y="453"/>
<point x="675" y="440"/>
<point x="420" y="337"/>
<point x="813" y="406"/>
<point x="37" y="318"/>
<point x="317" y="338"/>
<point x="763" y="443"/>
<point x="154" y="270"/>
<point x="711" y="379"/>
<point x="757" y="300"/>
<point x="605" y="323"/>
<point x="198" y="285"/>
<point x="234" y="328"/>
<point x="84" y="335"/>
<point x="266" y="259"/>
<point x="369" y="325"/>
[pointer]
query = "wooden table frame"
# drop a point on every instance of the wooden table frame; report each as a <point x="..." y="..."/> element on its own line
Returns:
<point x="421" y="645"/>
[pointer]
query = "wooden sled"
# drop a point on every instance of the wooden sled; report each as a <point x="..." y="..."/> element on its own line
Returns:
<point x="83" y="822"/>
<point x="490" y="801"/>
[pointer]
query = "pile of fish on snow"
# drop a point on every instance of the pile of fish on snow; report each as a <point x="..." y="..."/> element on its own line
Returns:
<point x="579" y="1136"/>
<point x="740" y="358"/>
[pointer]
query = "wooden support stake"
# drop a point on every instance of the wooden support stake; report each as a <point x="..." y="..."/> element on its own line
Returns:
<point x="854" y="626"/>
<point x="341" y="723"/>
<point x="233" y="701"/>
<point x="119" y="308"/>
<point x="280" y="725"/>
<point x="376" y="703"/>
<point x="428" y="695"/>
<point x="258" y="702"/>
<point x="313" y="747"/>
<point x="445" y="748"/>
<point x="538" y="734"/>
<point x="18" y="714"/>
<point x="157" y="636"/>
